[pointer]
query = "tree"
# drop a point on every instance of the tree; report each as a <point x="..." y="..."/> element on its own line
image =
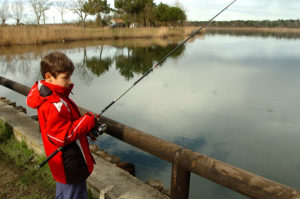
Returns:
<point x="148" y="13"/>
<point x="183" y="11"/>
<point x="61" y="7"/>
<point x="162" y="12"/>
<point x="129" y="9"/>
<point x="96" y="7"/>
<point x="4" y="12"/>
<point x="78" y="8"/>
<point x="39" y="8"/>
<point x="17" y="10"/>
<point x="136" y="10"/>
<point x="176" y="15"/>
<point x="178" y="4"/>
<point x="125" y="6"/>
<point x="167" y="14"/>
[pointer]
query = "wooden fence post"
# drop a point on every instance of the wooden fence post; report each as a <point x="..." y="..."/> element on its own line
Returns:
<point x="180" y="182"/>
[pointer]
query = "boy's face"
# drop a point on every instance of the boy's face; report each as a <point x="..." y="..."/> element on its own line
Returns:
<point x="62" y="79"/>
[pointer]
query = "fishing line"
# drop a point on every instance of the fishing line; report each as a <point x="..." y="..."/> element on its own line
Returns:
<point x="142" y="77"/>
<point x="163" y="59"/>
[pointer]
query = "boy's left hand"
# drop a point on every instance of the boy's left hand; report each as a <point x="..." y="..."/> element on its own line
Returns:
<point x="90" y="134"/>
<point x="98" y="129"/>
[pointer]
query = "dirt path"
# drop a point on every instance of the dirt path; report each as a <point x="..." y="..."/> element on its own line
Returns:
<point x="8" y="175"/>
<point x="11" y="186"/>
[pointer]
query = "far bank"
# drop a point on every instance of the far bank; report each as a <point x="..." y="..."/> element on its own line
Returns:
<point x="35" y="35"/>
<point x="28" y="35"/>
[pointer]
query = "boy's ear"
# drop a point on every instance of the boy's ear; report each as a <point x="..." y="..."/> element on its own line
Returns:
<point x="48" y="77"/>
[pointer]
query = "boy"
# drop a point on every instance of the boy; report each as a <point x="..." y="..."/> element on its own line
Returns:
<point x="62" y="125"/>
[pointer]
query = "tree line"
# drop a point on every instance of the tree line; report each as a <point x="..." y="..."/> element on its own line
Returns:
<point x="142" y="12"/>
<point x="280" y="23"/>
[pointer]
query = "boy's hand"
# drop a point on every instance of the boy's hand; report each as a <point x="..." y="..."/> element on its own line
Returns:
<point x="90" y="134"/>
<point x="98" y="129"/>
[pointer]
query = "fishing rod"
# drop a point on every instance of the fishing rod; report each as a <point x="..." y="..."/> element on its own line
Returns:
<point x="102" y="127"/>
<point x="163" y="59"/>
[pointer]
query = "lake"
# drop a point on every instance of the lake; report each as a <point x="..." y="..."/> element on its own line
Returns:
<point x="232" y="97"/>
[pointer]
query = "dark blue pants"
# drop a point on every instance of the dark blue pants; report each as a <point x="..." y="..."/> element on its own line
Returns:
<point x="71" y="191"/>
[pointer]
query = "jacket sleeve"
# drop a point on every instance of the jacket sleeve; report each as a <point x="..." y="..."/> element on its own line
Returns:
<point x="61" y="131"/>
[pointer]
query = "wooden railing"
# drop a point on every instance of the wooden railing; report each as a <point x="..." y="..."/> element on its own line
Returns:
<point x="185" y="161"/>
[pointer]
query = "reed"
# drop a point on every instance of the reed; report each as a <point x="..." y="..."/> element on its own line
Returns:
<point x="23" y="35"/>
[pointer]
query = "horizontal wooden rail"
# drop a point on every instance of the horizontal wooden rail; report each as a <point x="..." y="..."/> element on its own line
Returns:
<point x="185" y="161"/>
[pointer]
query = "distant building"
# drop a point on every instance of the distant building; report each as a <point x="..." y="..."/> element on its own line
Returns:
<point x="117" y="23"/>
<point x="133" y="25"/>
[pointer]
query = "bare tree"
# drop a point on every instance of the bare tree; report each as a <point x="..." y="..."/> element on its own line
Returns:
<point x="45" y="5"/>
<point x="44" y="17"/>
<point x="61" y="7"/>
<point x="78" y="8"/>
<point x="17" y="11"/>
<point x="39" y="8"/>
<point x="179" y="4"/>
<point x="4" y="12"/>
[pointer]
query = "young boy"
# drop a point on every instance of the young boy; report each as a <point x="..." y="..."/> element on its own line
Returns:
<point x="62" y="125"/>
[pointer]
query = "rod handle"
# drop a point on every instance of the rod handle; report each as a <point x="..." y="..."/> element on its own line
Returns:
<point x="49" y="157"/>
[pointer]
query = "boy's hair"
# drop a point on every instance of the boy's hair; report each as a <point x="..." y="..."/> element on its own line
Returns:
<point x="56" y="63"/>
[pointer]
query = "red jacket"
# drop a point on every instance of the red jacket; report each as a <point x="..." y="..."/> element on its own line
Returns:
<point x="62" y="125"/>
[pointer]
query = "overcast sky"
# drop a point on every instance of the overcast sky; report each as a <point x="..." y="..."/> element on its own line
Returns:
<point x="205" y="9"/>
<point x="241" y="9"/>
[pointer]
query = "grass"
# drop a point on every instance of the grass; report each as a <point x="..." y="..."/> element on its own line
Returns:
<point x="23" y="35"/>
<point x="19" y="175"/>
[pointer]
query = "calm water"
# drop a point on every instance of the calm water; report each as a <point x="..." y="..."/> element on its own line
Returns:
<point x="234" y="98"/>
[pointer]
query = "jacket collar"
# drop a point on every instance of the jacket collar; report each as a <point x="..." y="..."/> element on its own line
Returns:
<point x="47" y="89"/>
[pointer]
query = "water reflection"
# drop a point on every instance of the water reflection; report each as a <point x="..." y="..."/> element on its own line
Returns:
<point x="140" y="60"/>
<point x="129" y="60"/>
<point x="98" y="65"/>
<point x="278" y="34"/>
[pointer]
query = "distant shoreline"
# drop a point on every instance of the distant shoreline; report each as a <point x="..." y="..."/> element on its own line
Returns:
<point x="252" y="29"/>
<point x="36" y="35"/>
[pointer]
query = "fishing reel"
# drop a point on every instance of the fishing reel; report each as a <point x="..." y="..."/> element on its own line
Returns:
<point x="99" y="129"/>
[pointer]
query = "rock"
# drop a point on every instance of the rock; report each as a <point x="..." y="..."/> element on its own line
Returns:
<point x="6" y="101"/>
<point x="93" y="148"/>
<point x="167" y="192"/>
<point x="35" y="117"/>
<point x="101" y="153"/>
<point x="11" y="103"/>
<point x="156" y="184"/>
<point x="107" y="158"/>
<point x="127" y="166"/>
<point x="115" y="159"/>
<point x="21" y="108"/>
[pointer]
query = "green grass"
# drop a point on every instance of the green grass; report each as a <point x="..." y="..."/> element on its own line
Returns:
<point x="29" y="182"/>
<point x="20" y="177"/>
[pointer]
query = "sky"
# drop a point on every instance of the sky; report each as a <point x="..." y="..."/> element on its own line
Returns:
<point x="200" y="10"/>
